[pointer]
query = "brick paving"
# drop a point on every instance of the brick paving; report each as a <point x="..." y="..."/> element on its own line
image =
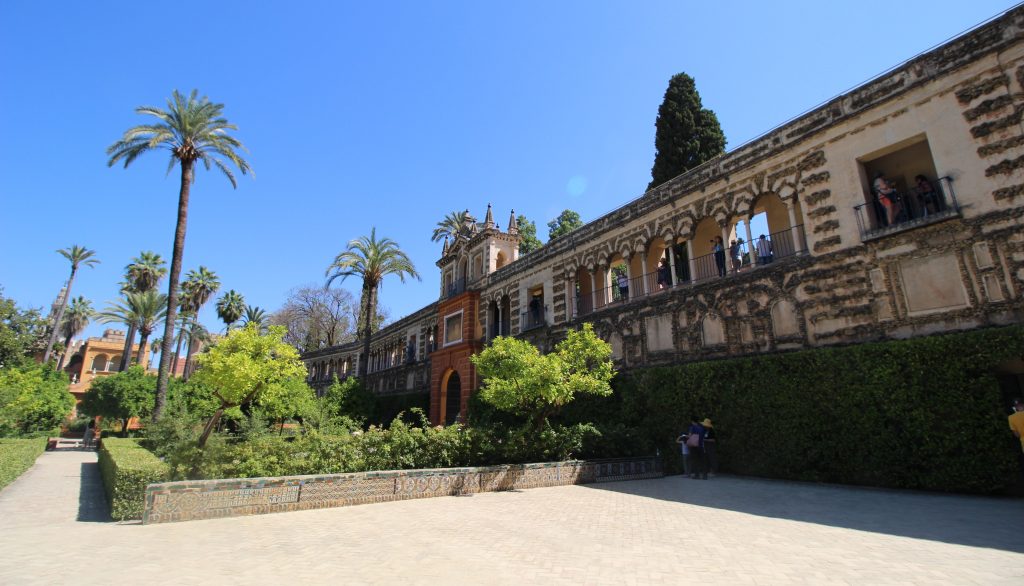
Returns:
<point x="723" y="531"/>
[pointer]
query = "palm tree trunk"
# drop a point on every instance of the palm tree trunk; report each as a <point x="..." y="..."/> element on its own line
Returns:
<point x="364" y="362"/>
<point x="127" y="352"/>
<point x="142" y="344"/>
<point x="188" y="351"/>
<point x="58" y="317"/>
<point x="177" y="351"/>
<point x="172" y="286"/>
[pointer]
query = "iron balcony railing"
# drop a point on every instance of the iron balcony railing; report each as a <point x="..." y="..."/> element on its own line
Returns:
<point x="909" y="210"/>
<point x="454" y="288"/>
<point x="535" y="317"/>
<point x="778" y="245"/>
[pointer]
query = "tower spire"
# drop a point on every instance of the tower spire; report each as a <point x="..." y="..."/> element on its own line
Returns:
<point x="444" y="250"/>
<point x="489" y="218"/>
<point x="513" y="226"/>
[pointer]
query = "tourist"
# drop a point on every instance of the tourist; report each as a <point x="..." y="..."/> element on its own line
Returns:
<point x="736" y="255"/>
<point x="710" y="446"/>
<point x="1017" y="427"/>
<point x="764" y="250"/>
<point x="623" y="282"/>
<point x="686" y="453"/>
<point x="885" y="191"/>
<point x="718" y="248"/>
<point x="926" y="194"/>
<point x="664" y="274"/>
<point x="695" y="441"/>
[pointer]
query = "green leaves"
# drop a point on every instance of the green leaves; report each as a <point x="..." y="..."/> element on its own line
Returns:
<point x="34" y="400"/>
<point x="121" y="396"/>
<point x="687" y="133"/>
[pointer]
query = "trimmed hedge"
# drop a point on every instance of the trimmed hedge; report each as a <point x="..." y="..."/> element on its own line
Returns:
<point x="925" y="413"/>
<point x="127" y="468"/>
<point x="387" y="407"/>
<point x="17" y="456"/>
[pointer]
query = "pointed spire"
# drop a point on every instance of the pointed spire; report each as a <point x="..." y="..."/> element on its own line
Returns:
<point x="444" y="250"/>
<point x="513" y="226"/>
<point x="489" y="218"/>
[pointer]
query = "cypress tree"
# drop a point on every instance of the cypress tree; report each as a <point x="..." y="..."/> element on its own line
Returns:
<point x="687" y="133"/>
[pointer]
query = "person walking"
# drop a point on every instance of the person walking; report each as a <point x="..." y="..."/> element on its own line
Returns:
<point x="736" y="255"/>
<point x="764" y="251"/>
<point x="719" y="249"/>
<point x="695" y="441"/>
<point x="1016" y="421"/>
<point x="686" y="452"/>
<point x="623" y="282"/>
<point x="710" y="446"/>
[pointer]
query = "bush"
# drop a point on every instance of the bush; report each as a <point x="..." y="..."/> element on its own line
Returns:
<point x="127" y="468"/>
<point x="387" y="407"/>
<point x="17" y="456"/>
<point x="34" y="400"/>
<point x="925" y="413"/>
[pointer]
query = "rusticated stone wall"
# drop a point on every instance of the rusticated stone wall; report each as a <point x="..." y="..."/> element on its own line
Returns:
<point x="208" y="499"/>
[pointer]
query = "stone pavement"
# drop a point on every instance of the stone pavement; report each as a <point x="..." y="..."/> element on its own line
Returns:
<point x="723" y="531"/>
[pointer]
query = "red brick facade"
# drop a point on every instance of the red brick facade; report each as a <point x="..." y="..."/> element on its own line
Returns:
<point x="454" y="357"/>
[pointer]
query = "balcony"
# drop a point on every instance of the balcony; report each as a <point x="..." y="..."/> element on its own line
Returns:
<point x="911" y="211"/>
<point x="535" y="318"/>
<point x="455" y="288"/>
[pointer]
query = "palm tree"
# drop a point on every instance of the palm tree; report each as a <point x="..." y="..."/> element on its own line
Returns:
<point x="197" y="288"/>
<point x="143" y="310"/>
<point x="184" y="318"/>
<point x="255" y="315"/>
<point x="154" y="348"/>
<point x="75" y="320"/>
<point x="192" y="129"/>
<point x="197" y="334"/>
<point x="450" y="227"/>
<point x="230" y="308"/>
<point x="141" y="275"/>
<point x="372" y="260"/>
<point x="78" y="256"/>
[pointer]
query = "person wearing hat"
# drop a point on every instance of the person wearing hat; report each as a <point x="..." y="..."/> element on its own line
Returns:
<point x="710" y="446"/>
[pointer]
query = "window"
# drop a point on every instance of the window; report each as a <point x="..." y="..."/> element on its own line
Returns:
<point x="453" y="328"/>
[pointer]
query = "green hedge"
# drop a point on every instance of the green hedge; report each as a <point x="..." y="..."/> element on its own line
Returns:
<point x="387" y="407"/>
<point x="925" y="413"/>
<point x="127" y="468"/>
<point x="17" y="456"/>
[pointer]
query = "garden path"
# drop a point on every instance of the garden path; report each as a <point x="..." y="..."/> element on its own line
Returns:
<point x="723" y="531"/>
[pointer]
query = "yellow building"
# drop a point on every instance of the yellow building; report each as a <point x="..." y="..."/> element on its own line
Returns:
<point x="97" y="357"/>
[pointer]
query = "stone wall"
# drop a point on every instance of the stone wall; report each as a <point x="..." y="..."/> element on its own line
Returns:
<point x="208" y="499"/>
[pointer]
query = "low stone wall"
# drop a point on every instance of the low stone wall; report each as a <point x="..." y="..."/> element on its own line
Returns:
<point x="209" y="499"/>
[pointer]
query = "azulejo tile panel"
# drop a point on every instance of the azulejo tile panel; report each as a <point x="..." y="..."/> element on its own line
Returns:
<point x="206" y="499"/>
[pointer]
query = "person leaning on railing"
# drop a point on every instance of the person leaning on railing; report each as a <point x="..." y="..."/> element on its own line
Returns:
<point x="930" y="200"/>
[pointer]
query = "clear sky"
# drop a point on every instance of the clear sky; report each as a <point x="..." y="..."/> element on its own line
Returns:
<point x="390" y="115"/>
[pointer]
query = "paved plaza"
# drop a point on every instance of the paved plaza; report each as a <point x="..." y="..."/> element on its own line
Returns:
<point x="723" y="531"/>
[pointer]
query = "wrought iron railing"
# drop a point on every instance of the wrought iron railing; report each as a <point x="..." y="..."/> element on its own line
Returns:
<point x="454" y="288"/>
<point x="535" y="317"/>
<point x="907" y="211"/>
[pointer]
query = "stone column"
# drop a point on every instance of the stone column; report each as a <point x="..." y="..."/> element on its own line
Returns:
<point x="689" y="257"/>
<point x="672" y="261"/>
<point x="791" y="208"/>
<point x="500" y="333"/>
<point x="593" y="288"/>
<point x="750" y="243"/>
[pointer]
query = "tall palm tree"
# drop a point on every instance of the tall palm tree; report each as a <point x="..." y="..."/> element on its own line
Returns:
<point x="75" y="320"/>
<point x="450" y="227"/>
<point x="193" y="130"/>
<point x="372" y="260"/>
<point x="255" y="315"/>
<point x="230" y="308"/>
<point x="141" y="275"/>
<point x="197" y="334"/>
<point x="154" y="348"/>
<point x="144" y="310"/>
<point x="183" y="319"/>
<point x="197" y="288"/>
<point x="77" y="256"/>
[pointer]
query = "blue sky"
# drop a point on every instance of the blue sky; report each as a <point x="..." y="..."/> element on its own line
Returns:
<point x="390" y="115"/>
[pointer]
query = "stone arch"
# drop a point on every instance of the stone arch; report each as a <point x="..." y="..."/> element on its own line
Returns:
<point x="785" y="319"/>
<point x="99" y="362"/>
<point x="500" y="260"/>
<point x="712" y="330"/>
<point x="450" y="392"/>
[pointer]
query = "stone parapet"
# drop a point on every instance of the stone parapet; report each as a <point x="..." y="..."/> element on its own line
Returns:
<point x="209" y="499"/>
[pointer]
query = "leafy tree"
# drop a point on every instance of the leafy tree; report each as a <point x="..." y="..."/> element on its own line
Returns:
<point x="77" y="256"/>
<point x="141" y="275"/>
<point x="519" y="379"/>
<point x="372" y="260"/>
<point x="566" y="222"/>
<point x="255" y="315"/>
<point x="245" y="367"/>
<point x="450" y="227"/>
<point x="197" y="288"/>
<point x="230" y="308"/>
<point x="34" y="399"/>
<point x="528" y="241"/>
<point x="75" y="320"/>
<point x="193" y="130"/>
<point x="345" y="404"/>
<point x="687" y="133"/>
<point x="21" y="332"/>
<point x="121" y="396"/>
<point x="143" y="310"/>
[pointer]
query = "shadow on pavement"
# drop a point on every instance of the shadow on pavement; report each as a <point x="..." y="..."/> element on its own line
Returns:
<point x="92" y="501"/>
<point x="958" y="519"/>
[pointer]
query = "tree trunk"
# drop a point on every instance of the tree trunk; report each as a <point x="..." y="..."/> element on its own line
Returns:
<point x="172" y="289"/>
<point x="177" y="351"/>
<point x="124" y="427"/>
<point x="58" y="317"/>
<point x="188" y="350"/>
<point x="210" y="425"/>
<point x="126" y="354"/>
<point x="367" y="328"/>
<point x="142" y="344"/>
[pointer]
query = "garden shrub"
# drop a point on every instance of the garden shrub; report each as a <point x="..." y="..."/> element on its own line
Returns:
<point x="127" y="468"/>
<point x="925" y="413"/>
<point x="17" y="456"/>
<point x="387" y="407"/>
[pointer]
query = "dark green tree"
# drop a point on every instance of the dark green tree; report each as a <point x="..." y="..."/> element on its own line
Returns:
<point x="22" y="331"/>
<point x="687" y="133"/>
<point x="566" y="222"/>
<point x="528" y="241"/>
<point x="121" y="396"/>
<point x="230" y="308"/>
<point x="34" y="399"/>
